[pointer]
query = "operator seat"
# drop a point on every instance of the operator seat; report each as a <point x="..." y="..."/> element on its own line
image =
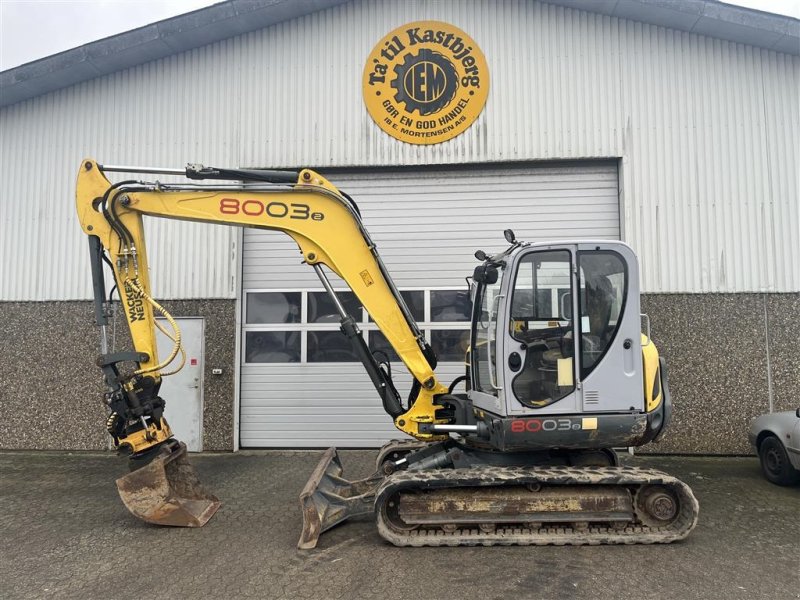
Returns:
<point x="599" y="303"/>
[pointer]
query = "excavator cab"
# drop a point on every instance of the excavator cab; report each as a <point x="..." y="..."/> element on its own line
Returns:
<point x="556" y="335"/>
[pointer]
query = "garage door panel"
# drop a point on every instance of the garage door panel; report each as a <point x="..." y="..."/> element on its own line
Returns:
<point x="313" y="421"/>
<point x="451" y="193"/>
<point x="548" y="202"/>
<point x="481" y="178"/>
<point x="342" y="440"/>
<point x="427" y="225"/>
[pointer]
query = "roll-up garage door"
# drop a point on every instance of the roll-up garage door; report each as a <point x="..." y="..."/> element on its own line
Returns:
<point x="301" y="386"/>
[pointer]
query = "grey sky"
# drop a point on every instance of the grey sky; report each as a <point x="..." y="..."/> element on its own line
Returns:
<point x="33" y="29"/>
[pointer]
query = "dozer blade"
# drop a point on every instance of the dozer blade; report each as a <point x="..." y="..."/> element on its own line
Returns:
<point x="327" y="499"/>
<point x="167" y="491"/>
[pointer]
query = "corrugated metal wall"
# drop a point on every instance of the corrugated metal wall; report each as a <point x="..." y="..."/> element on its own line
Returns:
<point x="164" y="113"/>
<point x="708" y="131"/>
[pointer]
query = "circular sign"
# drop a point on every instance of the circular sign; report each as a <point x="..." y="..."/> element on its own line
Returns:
<point x="425" y="82"/>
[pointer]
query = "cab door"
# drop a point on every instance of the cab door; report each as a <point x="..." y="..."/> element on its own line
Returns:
<point x="539" y="333"/>
<point x="570" y="332"/>
<point x="609" y="340"/>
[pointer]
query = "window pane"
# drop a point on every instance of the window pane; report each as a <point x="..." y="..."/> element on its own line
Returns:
<point x="416" y="303"/>
<point x="484" y="370"/>
<point x="450" y="305"/>
<point x="540" y="318"/>
<point x="273" y="307"/>
<point x="541" y="288"/>
<point x="450" y="344"/>
<point x="321" y="308"/>
<point x="272" y="346"/>
<point x="415" y="299"/>
<point x="603" y="282"/>
<point x="378" y="343"/>
<point x="330" y="346"/>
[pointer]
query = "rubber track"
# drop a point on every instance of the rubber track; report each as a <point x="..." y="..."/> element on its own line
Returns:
<point x="505" y="534"/>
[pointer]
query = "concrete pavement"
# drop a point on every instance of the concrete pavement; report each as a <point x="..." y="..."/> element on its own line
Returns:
<point x="66" y="534"/>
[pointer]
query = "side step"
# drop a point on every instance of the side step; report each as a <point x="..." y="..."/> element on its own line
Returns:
<point x="167" y="491"/>
<point x="328" y="499"/>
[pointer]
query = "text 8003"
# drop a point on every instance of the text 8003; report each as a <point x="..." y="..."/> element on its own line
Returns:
<point x="274" y="208"/>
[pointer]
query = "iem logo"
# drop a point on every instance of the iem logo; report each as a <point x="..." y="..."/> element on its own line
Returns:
<point x="425" y="82"/>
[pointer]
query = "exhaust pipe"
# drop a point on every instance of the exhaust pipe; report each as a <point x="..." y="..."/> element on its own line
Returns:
<point x="167" y="491"/>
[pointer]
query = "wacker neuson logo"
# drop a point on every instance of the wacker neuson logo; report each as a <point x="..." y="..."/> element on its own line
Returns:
<point x="425" y="82"/>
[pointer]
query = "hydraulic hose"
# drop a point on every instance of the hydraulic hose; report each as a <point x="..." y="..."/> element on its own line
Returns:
<point x="180" y="347"/>
<point x="177" y="339"/>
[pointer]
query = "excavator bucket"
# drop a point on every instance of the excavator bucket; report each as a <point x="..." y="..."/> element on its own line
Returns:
<point x="167" y="491"/>
<point x="328" y="499"/>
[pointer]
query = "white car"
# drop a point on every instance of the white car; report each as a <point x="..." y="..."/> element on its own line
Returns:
<point x="776" y="437"/>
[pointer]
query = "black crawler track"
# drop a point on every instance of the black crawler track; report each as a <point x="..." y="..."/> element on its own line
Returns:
<point x="572" y="532"/>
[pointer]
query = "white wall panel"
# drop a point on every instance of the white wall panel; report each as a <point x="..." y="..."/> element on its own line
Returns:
<point x="708" y="131"/>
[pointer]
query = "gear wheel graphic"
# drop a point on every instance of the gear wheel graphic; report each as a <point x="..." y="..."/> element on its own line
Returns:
<point x="425" y="82"/>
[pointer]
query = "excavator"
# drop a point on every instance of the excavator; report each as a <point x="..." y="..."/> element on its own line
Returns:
<point x="518" y="450"/>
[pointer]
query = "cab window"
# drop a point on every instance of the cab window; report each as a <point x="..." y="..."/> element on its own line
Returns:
<point x="604" y="285"/>
<point x="541" y="320"/>
<point x="484" y="341"/>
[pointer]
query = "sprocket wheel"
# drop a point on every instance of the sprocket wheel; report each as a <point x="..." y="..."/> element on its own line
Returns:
<point x="656" y="506"/>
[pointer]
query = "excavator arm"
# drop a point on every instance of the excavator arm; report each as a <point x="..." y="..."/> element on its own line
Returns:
<point x="324" y="223"/>
<point x="327" y="228"/>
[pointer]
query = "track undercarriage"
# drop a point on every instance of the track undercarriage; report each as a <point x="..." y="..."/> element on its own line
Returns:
<point x="430" y="503"/>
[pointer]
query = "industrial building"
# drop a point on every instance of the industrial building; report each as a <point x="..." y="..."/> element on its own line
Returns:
<point x="672" y="126"/>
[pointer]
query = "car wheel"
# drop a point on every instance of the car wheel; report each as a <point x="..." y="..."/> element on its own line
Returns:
<point x="775" y="462"/>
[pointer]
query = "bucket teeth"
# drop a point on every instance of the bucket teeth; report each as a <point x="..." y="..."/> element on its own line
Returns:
<point x="328" y="499"/>
<point x="167" y="491"/>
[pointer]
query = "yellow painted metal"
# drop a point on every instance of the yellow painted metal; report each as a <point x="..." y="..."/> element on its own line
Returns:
<point x="312" y="212"/>
<point x="91" y="186"/>
<point x="146" y="438"/>
<point x="423" y="411"/>
<point x="650" y="367"/>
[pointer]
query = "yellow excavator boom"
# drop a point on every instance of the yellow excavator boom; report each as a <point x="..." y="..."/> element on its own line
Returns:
<point x="327" y="228"/>
<point x="324" y="224"/>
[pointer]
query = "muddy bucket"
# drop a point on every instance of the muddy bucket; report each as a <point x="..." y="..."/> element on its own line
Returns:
<point x="167" y="491"/>
<point x="328" y="499"/>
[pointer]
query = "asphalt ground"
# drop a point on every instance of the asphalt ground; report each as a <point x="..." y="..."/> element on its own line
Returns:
<point x="65" y="534"/>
